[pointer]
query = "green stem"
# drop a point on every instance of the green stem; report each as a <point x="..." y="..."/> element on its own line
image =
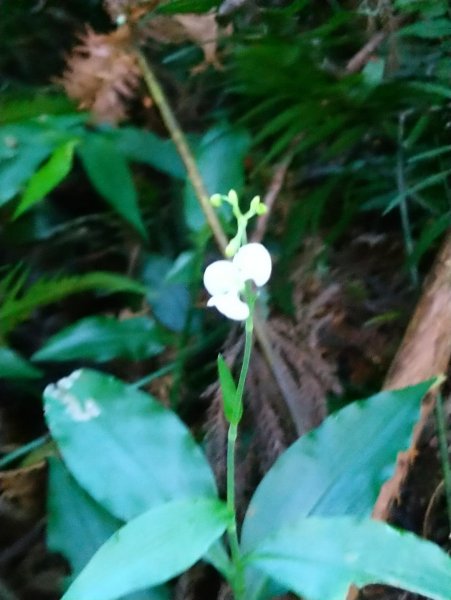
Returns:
<point x="402" y="191"/>
<point x="232" y="530"/>
<point x="183" y="149"/>
<point x="23" y="451"/>
<point x="443" y="445"/>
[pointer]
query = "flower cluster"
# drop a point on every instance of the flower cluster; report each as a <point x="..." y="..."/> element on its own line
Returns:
<point x="225" y="280"/>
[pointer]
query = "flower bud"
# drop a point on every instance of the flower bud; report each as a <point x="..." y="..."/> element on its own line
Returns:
<point x="233" y="197"/>
<point x="255" y="203"/>
<point x="216" y="200"/>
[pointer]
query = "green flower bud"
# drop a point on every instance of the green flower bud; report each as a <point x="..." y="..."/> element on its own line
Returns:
<point x="261" y="209"/>
<point x="233" y="198"/>
<point x="216" y="200"/>
<point x="255" y="203"/>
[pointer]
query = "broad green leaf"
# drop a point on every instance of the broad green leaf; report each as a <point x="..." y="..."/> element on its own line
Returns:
<point x="220" y="158"/>
<point x="48" y="176"/>
<point x="16" y="309"/>
<point x="14" y="366"/>
<point x="102" y="339"/>
<point x="146" y="147"/>
<point x="110" y="175"/>
<point x="151" y="549"/>
<point x="228" y="389"/>
<point x="168" y="289"/>
<point x="78" y="539"/>
<point x="428" y="29"/>
<point x="319" y="558"/>
<point x="106" y="429"/>
<point x="333" y="470"/>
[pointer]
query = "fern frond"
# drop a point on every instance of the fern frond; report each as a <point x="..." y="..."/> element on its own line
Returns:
<point x="18" y="304"/>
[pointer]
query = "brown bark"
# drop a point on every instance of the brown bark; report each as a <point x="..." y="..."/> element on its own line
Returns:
<point x="424" y="352"/>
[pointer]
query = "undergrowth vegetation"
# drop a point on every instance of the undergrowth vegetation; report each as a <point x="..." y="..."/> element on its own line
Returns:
<point x="125" y="127"/>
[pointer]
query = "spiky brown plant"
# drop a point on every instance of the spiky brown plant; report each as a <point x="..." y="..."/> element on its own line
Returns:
<point x="102" y="74"/>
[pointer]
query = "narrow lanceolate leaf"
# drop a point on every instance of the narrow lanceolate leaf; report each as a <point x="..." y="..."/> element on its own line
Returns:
<point x="14" y="366"/>
<point x="104" y="428"/>
<point x="102" y="339"/>
<point x="78" y="539"/>
<point x="232" y="411"/>
<point x="110" y="175"/>
<point x="48" y="176"/>
<point x="151" y="549"/>
<point x="318" y="558"/>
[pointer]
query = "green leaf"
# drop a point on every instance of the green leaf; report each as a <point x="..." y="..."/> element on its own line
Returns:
<point x="16" y="309"/>
<point x="313" y="477"/>
<point x="186" y="6"/>
<point x="151" y="549"/>
<point x="168" y="288"/>
<point x="423" y="184"/>
<point x="220" y="158"/>
<point x="319" y="558"/>
<point x="110" y="175"/>
<point x="327" y="455"/>
<point x="14" y="366"/>
<point x="19" y="167"/>
<point x="48" y="176"/>
<point x="429" y="30"/>
<point x="232" y="412"/>
<point x="146" y="147"/>
<point x="103" y="339"/>
<point x="78" y="539"/>
<point x="429" y="234"/>
<point x="106" y="429"/>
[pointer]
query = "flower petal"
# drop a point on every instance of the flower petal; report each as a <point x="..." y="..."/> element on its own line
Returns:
<point x="221" y="277"/>
<point x="231" y="306"/>
<point x="253" y="261"/>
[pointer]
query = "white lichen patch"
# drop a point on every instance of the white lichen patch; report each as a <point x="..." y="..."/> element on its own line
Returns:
<point x="67" y="382"/>
<point x="76" y="408"/>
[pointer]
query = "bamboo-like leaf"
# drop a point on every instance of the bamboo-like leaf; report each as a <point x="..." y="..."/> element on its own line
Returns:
<point x="47" y="177"/>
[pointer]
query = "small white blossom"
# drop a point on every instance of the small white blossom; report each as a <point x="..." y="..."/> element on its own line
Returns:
<point x="225" y="280"/>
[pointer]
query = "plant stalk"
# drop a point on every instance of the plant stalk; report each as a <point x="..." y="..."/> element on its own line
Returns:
<point x="232" y="530"/>
<point x="183" y="149"/>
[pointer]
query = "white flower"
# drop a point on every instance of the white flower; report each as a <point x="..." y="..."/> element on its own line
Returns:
<point x="225" y="279"/>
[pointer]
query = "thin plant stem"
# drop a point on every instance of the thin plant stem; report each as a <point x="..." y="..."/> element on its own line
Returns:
<point x="183" y="149"/>
<point x="443" y="446"/>
<point x="232" y="530"/>
<point x="23" y="451"/>
<point x="402" y="191"/>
